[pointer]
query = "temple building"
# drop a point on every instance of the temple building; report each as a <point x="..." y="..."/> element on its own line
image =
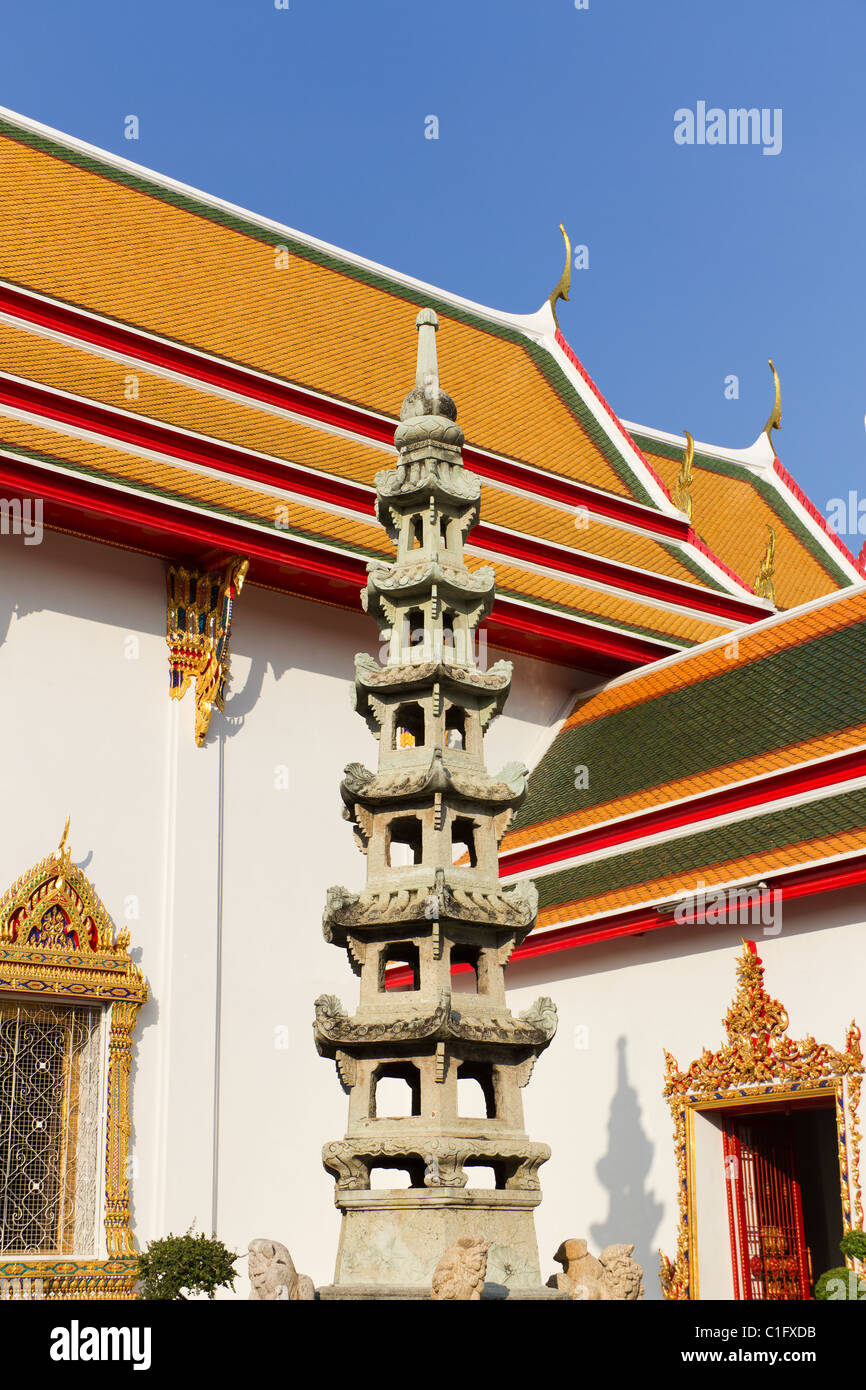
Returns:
<point x="214" y="559"/>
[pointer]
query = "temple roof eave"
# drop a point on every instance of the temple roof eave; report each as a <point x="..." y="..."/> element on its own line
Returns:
<point x="511" y="910"/>
<point x="406" y="580"/>
<point x="444" y="774"/>
<point x="372" y="678"/>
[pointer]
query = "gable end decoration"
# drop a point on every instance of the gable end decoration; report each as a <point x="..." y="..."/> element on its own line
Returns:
<point x="198" y="632"/>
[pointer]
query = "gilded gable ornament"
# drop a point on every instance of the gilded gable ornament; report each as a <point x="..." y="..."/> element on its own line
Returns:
<point x="682" y="496"/>
<point x="563" y="285"/>
<point x="774" y="419"/>
<point x="198" y="631"/>
<point x="765" y="583"/>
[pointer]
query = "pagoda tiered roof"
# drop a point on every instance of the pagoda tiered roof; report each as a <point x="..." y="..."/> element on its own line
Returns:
<point x="181" y="375"/>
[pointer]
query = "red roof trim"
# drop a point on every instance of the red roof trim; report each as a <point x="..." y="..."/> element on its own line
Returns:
<point x="762" y="791"/>
<point x="310" y="570"/>
<point x="816" y="516"/>
<point x="829" y="877"/>
<point x="583" y="565"/>
<point x="83" y="327"/>
<point x="797" y="883"/>
<point x="143" y="432"/>
<point x="579" y="367"/>
<point x="691" y="536"/>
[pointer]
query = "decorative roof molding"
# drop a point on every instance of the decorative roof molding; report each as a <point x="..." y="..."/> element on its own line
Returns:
<point x="198" y="371"/>
<point x="630" y="834"/>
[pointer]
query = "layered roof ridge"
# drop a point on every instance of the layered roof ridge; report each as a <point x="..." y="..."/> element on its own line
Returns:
<point x="226" y="373"/>
<point x="773" y="497"/>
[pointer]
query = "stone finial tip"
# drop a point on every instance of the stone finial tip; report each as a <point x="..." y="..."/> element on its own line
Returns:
<point x="427" y="399"/>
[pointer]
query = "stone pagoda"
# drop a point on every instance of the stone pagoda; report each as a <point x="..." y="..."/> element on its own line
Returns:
<point x="433" y="918"/>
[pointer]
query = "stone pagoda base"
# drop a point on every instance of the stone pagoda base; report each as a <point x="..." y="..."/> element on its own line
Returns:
<point x="396" y="1237"/>
<point x="420" y="1293"/>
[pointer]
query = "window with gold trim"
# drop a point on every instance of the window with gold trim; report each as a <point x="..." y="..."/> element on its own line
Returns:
<point x="50" y="1110"/>
<point x="69" y="997"/>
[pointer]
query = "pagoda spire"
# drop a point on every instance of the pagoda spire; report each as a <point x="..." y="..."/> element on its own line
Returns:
<point x="429" y="821"/>
<point x="427" y="373"/>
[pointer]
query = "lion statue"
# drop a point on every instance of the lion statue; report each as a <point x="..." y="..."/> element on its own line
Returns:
<point x="461" y="1271"/>
<point x="614" y="1276"/>
<point x="273" y="1276"/>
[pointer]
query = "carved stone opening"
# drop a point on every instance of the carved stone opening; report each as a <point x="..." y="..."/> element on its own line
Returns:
<point x="474" y="971"/>
<point x="448" y="635"/>
<point x="405" y="838"/>
<point x="455" y="727"/>
<point x="476" y="1096"/>
<point x="409" y="726"/>
<point x="403" y="1098"/>
<point x="385" y="1173"/>
<point x="416" y="533"/>
<point x="463" y="841"/>
<point x="413" y="636"/>
<point x="400" y="953"/>
<point x="484" y="1176"/>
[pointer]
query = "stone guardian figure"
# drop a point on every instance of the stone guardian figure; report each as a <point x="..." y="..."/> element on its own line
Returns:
<point x="273" y="1277"/>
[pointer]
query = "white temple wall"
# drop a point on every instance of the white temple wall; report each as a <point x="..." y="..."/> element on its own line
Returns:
<point x="217" y="858"/>
<point x="596" y="1094"/>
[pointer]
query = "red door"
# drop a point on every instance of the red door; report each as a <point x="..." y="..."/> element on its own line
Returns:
<point x="768" y="1238"/>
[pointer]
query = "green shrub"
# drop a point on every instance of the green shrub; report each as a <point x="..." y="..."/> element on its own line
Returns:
<point x="853" y="1244"/>
<point x="840" y="1283"/>
<point x="196" y="1264"/>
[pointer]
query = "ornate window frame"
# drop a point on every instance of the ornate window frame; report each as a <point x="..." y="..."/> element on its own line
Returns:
<point x="759" y="1063"/>
<point x="88" y="961"/>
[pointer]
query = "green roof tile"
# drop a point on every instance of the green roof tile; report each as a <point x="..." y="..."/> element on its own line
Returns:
<point x="773" y="830"/>
<point x="805" y="691"/>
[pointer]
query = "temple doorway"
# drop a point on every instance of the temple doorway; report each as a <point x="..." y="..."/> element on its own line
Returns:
<point x="784" y="1209"/>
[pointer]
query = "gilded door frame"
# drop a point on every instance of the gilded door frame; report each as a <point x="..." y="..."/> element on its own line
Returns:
<point x="759" y="1064"/>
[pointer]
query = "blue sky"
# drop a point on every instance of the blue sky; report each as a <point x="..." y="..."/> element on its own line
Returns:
<point x="703" y="260"/>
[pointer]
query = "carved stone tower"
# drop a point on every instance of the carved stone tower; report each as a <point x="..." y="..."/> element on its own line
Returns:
<point x="433" y="912"/>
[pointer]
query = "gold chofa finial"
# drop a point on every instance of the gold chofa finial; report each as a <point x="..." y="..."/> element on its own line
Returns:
<point x="774" y="421"/>
<point x="764" y="586"/>
<point x="62" y="852"/>
<point x="564" y="283"/>
<point x="682" y="497"/>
